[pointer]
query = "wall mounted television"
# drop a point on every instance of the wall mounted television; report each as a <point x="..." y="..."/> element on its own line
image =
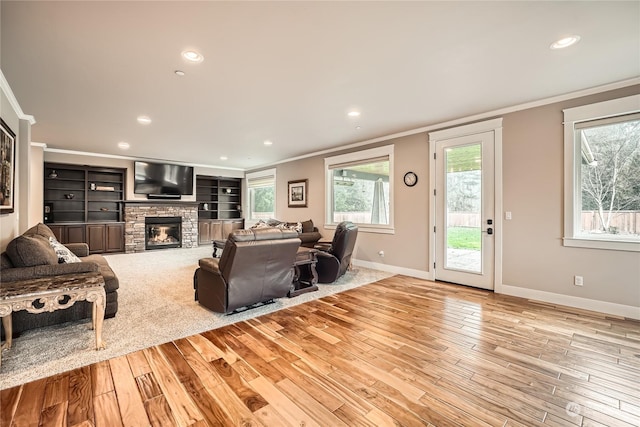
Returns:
<point x="162" y="180"/>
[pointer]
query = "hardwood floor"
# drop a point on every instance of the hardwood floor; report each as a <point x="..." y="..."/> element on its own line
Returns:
<point x="401" y="351"/>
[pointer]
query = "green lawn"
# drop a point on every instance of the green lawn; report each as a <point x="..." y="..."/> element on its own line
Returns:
<point x="463" y="238"/>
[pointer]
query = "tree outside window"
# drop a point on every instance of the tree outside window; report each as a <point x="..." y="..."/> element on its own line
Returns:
<point x="610" y="177"/>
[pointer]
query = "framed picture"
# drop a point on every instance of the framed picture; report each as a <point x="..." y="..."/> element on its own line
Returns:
<point x="298" y="193"/>
<point x="7" y="168"/>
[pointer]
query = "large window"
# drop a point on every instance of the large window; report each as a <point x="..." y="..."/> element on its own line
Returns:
<point x="261" y="190"/>
<point x="359" y="189"/>
<point x="602" y="175"/>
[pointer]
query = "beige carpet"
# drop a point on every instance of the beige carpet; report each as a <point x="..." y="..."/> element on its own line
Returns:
<point x="155" y="306"/>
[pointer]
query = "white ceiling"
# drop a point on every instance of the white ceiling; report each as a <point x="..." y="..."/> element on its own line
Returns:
<point x="290" y="71"/>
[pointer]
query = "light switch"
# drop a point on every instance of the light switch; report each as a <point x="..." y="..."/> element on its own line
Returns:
<point x="507" y="215"/>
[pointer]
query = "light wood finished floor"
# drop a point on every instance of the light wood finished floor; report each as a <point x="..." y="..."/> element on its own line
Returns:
<point x="397" y="352"/>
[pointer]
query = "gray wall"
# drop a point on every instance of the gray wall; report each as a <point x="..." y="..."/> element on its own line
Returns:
<point x="534" y="259"/>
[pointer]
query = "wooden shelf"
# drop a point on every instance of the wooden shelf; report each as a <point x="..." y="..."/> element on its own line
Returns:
<point x="80" y="219"/>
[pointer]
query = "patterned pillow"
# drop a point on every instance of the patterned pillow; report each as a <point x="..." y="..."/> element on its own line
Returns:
<point x="295" y="226"/>
<point x="63" y="253"/>
<point x="260" y="224"/>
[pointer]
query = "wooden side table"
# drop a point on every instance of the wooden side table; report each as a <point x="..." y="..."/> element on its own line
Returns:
<point x="46" y="295"/>
<point x="307" y="258"/>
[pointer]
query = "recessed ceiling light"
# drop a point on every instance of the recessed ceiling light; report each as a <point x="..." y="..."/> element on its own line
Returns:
<point x="565" y="42"/>
<point x="144" y="120"/>
<point x="354" y="113"/>
<point x="268" y="143"/>
<point x="192" y="56"/>
<point x="123" y="145"/>
<point x="179" y="73"/>
<point x="223" y="157"/>
<point x="358" y="127"/>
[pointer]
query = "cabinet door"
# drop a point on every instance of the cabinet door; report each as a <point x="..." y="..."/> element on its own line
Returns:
<point x="115" y="237"/>
<point x="216" y="231"/>
<point x="229" y="226"/>
<point x="204" y="232"/>
<point x="96" y="238"/>
<point x="75" y="234"/>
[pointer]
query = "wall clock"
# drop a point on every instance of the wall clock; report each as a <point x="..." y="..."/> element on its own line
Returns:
<point x="410" y="179"/>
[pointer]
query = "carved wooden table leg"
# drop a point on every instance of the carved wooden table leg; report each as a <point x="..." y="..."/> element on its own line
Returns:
<point x="98" y="297"/>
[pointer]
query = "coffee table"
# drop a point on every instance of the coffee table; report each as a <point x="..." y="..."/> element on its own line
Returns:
<point x="305" y="258"/>
<point x="47" y="293"/>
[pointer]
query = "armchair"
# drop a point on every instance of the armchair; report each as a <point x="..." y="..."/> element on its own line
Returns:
<point x="256" y="266"/>
<point x="334" y="259"/>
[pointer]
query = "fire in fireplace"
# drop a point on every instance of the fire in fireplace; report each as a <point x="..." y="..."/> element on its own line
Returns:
<point x="163" y="232"/>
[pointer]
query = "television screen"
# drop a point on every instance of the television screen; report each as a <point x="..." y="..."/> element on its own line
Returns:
<point x="163" y="179"/>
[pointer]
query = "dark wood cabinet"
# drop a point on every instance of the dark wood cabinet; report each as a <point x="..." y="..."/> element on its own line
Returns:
<point x="74" y="233"/>
<point x="103" y="238"/>
<point x="85" y="204"/>
<point x="217" y="229"/>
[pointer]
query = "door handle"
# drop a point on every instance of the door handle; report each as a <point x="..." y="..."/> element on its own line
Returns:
<point x="488" y="230"/>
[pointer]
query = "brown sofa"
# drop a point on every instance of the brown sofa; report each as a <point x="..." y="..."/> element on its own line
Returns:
<point x="307" y="232"/>
<point x="256" y="266"/>
<point x="31" y="256"/>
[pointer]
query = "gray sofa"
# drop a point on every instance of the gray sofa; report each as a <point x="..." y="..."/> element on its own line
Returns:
<point x="31" y="256"/>
<point x="307" y="232"/>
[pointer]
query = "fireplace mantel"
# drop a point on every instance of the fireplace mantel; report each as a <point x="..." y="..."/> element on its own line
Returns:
<point x="156" y="202"/>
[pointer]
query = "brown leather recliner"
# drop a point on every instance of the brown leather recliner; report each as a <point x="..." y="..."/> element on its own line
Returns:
<point x="335" y="259"/>
<point x="256" y="266"/>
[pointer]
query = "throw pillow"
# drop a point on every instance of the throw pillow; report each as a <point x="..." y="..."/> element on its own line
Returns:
<point x="65" y="256"/>
<point x="29" y="251"/>
<point x="307" y="226"/>
<point x="260" y="224"/>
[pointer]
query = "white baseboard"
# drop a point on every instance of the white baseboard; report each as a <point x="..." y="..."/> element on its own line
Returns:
<point x="420" y="274"/>
<point x="571" y="301"/>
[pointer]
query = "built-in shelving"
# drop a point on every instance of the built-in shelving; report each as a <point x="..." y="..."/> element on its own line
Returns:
<point x="219" y="207"/>
<point x="87" y="197"/>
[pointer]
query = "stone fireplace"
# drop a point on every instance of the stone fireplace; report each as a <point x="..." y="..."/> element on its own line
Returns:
<point x="162" y="222"/>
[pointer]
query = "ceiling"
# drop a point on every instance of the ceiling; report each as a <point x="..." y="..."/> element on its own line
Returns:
<point x="289" y="72"/>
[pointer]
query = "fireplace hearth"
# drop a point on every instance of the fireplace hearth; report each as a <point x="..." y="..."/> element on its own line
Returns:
<point x="163" y="232"/>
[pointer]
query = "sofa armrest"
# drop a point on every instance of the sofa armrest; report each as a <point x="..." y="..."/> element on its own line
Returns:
<point x="79" y="249"/>
<point x="323" y="246"/>
<point x="211" y="265"/>
<point x="38" y="271"/>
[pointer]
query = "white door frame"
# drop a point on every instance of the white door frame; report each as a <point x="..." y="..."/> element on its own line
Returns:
<point x="495" y="126"/>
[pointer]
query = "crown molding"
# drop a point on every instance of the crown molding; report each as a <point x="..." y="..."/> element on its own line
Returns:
<point x="4" y="84"/>
<point x="145" y="159"/>
<point x="466" y="120"/>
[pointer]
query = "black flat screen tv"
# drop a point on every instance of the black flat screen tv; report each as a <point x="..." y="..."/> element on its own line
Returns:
<point x="163" y="180"/>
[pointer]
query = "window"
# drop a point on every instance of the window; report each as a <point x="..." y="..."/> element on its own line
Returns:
<point x="602" y="175"/>
<point x="360" y="189"/>
<point x="261" y="190"/>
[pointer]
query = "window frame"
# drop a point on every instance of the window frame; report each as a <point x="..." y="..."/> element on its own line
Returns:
<point x="263" y="174"/>
<point x="361" y="157"/>
<point x="572" y="173"/>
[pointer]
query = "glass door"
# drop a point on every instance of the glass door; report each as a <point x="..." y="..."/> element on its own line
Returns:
<point x="465" y="210"/>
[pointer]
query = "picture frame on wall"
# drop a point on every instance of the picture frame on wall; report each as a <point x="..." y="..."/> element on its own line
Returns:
<point x="298" y="193"/>
<point x="7" y="168"/>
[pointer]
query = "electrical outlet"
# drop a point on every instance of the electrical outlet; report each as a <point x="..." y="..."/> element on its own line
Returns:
<point x="578" y="280"/>
<point x="381" y="253"/>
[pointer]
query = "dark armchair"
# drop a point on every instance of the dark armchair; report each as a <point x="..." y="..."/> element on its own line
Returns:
<point x="334" y="259"/>
<point x="256" y="266"/>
